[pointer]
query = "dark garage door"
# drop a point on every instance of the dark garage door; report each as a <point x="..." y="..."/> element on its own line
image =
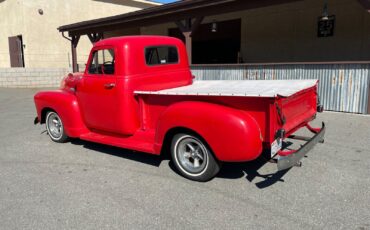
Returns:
<point x="220" y="46"/>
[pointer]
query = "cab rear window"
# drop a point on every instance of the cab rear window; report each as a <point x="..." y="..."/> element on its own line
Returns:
<point x="161" y="55"/>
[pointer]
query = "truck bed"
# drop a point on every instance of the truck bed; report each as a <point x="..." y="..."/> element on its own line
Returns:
<point x="243" y="88"/>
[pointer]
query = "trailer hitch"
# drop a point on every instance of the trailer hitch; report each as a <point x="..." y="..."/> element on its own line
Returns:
<point x="290" y="158"/>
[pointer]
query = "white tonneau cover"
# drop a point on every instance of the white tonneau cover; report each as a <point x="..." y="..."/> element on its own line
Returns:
<point x="244" y="88"/>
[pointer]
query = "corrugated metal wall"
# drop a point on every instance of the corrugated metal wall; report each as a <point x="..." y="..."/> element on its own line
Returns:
<point x="342" y="87"/>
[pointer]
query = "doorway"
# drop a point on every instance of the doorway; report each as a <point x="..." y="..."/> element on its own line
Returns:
<point x="214" y="46"/>
<point x="16" y="51"/>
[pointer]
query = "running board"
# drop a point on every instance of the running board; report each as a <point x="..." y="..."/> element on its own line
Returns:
<point x="142" y="141"/>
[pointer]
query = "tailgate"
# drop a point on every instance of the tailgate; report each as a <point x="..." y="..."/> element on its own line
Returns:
<point x="297" y="109"/>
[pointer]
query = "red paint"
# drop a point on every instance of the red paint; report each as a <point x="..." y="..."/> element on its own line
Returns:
<point x="103" y="108"/>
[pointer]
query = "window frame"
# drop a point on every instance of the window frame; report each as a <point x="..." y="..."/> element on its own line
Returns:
<point x="158" y="46"/>
<point x="91" y="60"/>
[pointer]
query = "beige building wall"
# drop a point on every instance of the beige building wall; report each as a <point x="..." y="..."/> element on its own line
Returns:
<point x="288" y="32"/>
<point x="44" y="45"/>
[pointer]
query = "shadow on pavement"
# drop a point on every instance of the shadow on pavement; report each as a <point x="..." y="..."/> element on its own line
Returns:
<point x="249" y="170"/>
<point x="149" y="159"/>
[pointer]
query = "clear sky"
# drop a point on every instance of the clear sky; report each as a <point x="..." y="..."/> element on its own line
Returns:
<point x="164" y="1"/>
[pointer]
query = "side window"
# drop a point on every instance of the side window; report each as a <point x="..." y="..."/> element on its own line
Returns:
<point x="102" y="62"/>
<point x="161" y="55"/>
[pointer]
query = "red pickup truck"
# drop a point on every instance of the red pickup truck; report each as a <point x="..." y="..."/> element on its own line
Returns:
<point x="138" y="93"/>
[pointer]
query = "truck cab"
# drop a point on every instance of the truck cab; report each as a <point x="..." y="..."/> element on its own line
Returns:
<point x="118" y="66"/>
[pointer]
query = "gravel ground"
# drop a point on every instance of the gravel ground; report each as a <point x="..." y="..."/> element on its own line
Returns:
<point x="82" y="185"/>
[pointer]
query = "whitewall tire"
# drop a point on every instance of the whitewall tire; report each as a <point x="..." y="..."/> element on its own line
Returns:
<point x="55" y="128"/>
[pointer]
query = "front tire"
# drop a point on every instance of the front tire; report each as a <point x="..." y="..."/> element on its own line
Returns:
<point x="55" y="128"/>
<point x="193" y="158"/>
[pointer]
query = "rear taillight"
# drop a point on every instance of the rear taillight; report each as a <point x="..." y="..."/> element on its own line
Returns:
<point x="319" y="108"/>
<point x="280" y="133"/>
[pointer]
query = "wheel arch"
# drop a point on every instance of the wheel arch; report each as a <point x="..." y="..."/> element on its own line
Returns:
<point x="65" y="105"/>
<point x="44" y="111"/>
<point x="231" y="134"/>
<point x="166" y="145"/>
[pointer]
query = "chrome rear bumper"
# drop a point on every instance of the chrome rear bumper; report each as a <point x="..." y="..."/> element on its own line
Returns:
<point x="289" y="160"/>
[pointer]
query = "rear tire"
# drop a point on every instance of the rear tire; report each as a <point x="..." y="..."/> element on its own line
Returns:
<point x="55" y="128"/>
<point x="193" y="158"/>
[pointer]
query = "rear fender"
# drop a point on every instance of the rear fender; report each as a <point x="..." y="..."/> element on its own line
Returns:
<point x="232" y="135"/>
<point x="66" y="105"/>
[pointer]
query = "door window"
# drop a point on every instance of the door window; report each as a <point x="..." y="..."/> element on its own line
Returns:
<point x="102" y="62"/>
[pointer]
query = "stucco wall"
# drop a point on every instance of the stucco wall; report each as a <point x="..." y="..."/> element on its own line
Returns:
<point x="284" y="33"/>
<point x="288" y="32"/>
<point x="44" y="45"/>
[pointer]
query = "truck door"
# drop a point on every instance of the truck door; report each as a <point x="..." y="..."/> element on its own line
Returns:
<point x="97" y="92"/>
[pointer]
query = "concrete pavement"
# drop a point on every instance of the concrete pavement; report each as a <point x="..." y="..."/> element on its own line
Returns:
<point x="82" y="185"/>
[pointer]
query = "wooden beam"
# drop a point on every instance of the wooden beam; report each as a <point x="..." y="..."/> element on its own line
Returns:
<point x="196" y="24"/>
<point x="75" y="40"/>
<point x="365" y="4"/>
<point x="188" y="28"/>
<point x="181" y="26"/>
<point x="94" y="37"/>
<point x="189" y="25"/>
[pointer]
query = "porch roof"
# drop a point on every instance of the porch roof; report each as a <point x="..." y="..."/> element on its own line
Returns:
<point x="166" y="13"/>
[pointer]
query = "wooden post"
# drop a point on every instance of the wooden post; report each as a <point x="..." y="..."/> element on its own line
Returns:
<point x="187" y="30"/>
<point x="188" y="43"/>
<point x="74" y="41"/>
<point x="74" y="58"/>
<point x="368" y="99"/>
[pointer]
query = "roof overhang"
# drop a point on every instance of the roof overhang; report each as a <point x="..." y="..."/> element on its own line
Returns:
<point x="167" y="13"/>
<point x="148" y="2"/>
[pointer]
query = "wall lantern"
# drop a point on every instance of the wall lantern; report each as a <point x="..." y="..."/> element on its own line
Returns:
<point x="325" y="13"/>
<point x="326" y="23"/>
<point x="214" y="27"/>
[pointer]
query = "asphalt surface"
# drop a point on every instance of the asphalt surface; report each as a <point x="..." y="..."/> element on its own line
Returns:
<point x="82" y="185"/>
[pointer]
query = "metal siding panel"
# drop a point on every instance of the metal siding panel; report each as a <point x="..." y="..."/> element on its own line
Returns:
<point x="342" y="87"/>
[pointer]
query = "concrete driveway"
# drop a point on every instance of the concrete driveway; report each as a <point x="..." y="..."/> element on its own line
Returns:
<point x="82" y="185"/>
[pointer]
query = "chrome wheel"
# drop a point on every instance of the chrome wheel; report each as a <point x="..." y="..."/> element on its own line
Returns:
<point x="191" y="155"/>
<point x="193" y="158"/>
<point x="54" y="126"/>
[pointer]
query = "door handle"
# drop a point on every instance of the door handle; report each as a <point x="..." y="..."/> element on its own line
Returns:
<point x="109" y="85"/>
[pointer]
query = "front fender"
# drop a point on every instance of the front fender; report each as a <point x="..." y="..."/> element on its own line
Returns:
<point x="233" y="135"/>
<point x="66" y="105"/>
